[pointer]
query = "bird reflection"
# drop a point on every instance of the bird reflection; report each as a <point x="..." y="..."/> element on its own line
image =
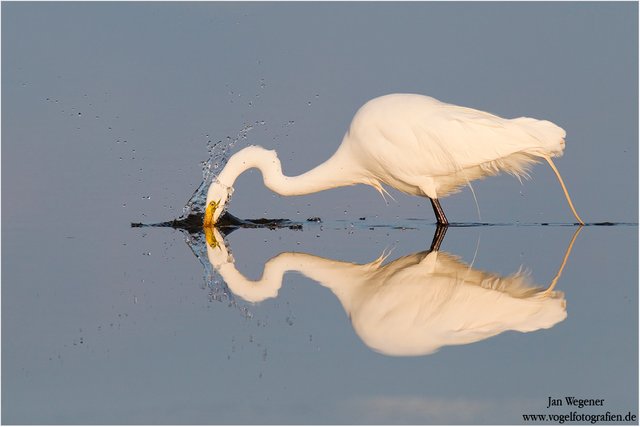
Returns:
<point x="415" y="304"/>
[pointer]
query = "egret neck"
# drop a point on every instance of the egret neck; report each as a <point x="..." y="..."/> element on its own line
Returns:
<point x="338" y="171"/>
<point x="335" y="172"/>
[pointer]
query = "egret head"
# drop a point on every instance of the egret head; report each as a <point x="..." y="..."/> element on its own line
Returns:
<point x="217" y="198"/>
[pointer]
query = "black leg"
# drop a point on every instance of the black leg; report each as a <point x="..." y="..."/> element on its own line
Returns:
<point x="437" y="209"/>
<point x="438" y="237"/>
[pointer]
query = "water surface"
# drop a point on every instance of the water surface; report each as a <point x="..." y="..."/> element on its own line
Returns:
<point x="153" y="342"/>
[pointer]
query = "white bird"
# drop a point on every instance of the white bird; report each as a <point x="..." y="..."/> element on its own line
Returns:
<point x="413" y="305"/>
<point x="414" y="143"/>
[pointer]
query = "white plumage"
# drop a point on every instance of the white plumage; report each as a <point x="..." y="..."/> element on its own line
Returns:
<point x="425" y="147"/>
<point x="414" y="143"/>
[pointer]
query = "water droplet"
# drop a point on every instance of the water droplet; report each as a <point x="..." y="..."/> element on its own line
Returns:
<point x="309" y="103"/>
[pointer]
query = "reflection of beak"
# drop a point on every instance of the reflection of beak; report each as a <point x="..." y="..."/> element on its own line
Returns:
<point x="210" y="236"/>
<point x="208" y="213"/>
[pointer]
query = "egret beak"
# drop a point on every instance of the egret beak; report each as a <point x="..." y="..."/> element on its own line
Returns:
<point x="208" y="213"/>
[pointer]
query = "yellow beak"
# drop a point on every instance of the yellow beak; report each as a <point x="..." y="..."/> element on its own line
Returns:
<point x="208" y="213"/>
<point x="211" y="238"/>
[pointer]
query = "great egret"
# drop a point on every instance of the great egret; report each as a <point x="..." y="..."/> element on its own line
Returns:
<point x="413" y="305"/>
<point x="414" y="143"/>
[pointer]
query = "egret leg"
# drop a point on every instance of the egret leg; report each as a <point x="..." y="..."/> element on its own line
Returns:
<point x="437" y="209"/>
<point x="438" y="237"/>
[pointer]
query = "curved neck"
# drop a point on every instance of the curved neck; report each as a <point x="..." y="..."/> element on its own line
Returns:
<point x="327" y="272"/>
<point x="337" y="171"/>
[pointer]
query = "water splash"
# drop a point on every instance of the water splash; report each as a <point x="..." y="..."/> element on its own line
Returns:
<point x="219" y="153"/>
<point x="217" y="288"/>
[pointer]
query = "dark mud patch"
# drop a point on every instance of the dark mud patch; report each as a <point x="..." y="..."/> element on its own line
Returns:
<point x="226" y="223"/>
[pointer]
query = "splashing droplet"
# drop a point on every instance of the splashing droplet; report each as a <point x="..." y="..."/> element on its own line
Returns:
<point x="219" y="154"/>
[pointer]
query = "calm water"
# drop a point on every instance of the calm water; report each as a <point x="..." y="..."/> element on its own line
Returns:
<point x="120" y="326"/>
<point x="108" y="112"/>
